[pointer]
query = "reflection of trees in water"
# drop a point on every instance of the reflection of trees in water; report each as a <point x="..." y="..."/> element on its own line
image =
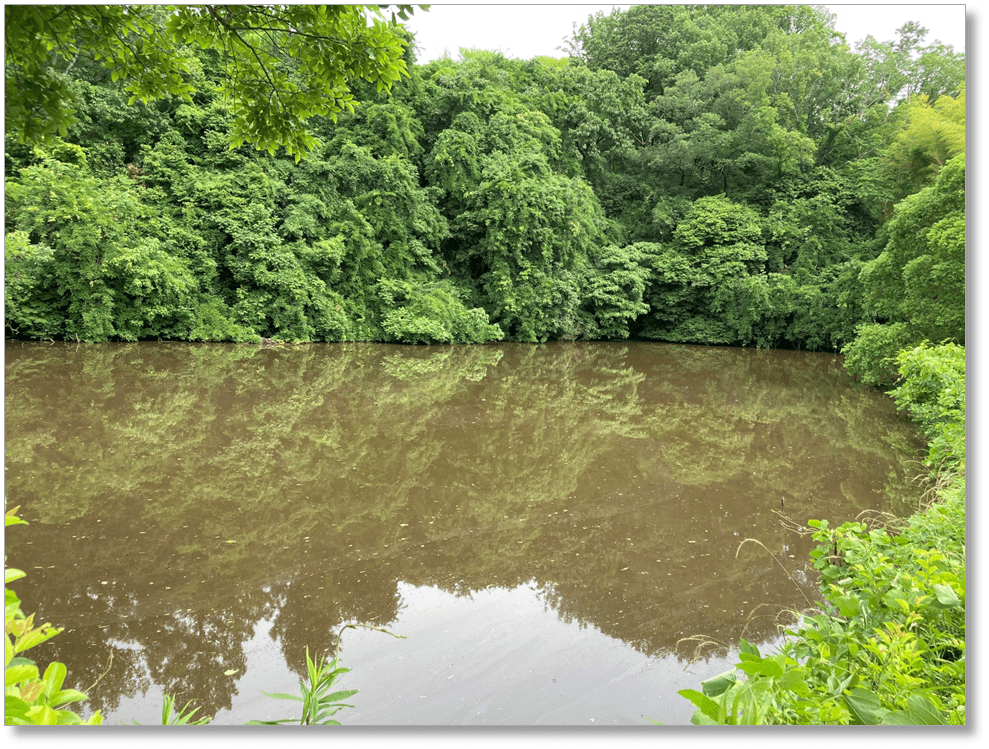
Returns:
<point x="146" y="639"/>
<point x="338" y="471"/>
<point x="314" y="605"/>
<point x="646" y="584"/>
<point x="792" y="420"/>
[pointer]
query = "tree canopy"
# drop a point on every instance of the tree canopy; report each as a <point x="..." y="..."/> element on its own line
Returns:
<point x="281" y="64"/>
<point x="731" y="175"/>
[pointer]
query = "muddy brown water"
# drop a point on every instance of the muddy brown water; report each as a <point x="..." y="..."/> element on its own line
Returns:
<point x="545" y="525"/>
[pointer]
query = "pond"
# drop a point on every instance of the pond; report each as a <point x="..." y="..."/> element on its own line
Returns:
<point x="553" y="529"/>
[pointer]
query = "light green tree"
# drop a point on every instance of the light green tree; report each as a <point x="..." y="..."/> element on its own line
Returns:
<point x="283" y="64"/>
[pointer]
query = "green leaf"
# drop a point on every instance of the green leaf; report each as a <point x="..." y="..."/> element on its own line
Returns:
<point x="17" y="674"/>
<point x="328" y="712"/>
<point x="67" y="718"/>
<point x="764" y="667"/>
<point x="42" y="715"/>
<point x="718" y="685"/>
<point x="15" y="707"/>
<point x="65" y="696"/>
<point x="865" y="707"/>
<point x="283" y="696"/>
<point x="848" y="606"/>
<point x="36" y="637"/>
<point x="706" y="706"/>
<point x="11" y="603"/>
<point x="746" y="648"/>
<point x="20" y="661"/>
<point x="339" y="695"/>
<point x="920" y="711"/>
<point x="946" y="596"/>
<point x="53" y="679"/>
<point x="794" y="680"/>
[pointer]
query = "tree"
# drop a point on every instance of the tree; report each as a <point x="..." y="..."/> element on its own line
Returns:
<point x="717" y="245"/>
<point x="283" y="64"/>
<point x="916" y="287"/>
<point x="82" y="261"/>
<point x="659" y="42"/>
<point x="691" y="173"/>
<point x="933" y="134"/>
<point x="617" y="282"/>
<point x="602" y="117"/>
<point x="901" y="68"/>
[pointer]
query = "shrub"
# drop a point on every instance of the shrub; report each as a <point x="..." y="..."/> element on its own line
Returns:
<point x="932" y="389"/>
<point x="424" y="312"/>
<point x="872" y="355"/>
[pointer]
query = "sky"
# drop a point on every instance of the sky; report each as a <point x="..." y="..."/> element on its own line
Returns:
<point x="526" y="31"/>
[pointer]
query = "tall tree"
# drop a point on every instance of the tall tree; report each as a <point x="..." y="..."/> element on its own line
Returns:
<point x="900" y="68"/>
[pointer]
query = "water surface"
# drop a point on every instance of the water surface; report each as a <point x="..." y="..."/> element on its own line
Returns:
<point x="544" y="524"/>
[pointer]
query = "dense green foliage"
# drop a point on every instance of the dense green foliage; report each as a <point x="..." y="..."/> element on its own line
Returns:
<point x="280" y="65"/>
<point x="932" y="389"/>
<point x="889" y="647"/>
<point x="707" y="174"/>
<point x="917" y="284"/>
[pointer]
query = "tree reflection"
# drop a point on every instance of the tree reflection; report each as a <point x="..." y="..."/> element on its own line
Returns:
<point x="195" y="491"/>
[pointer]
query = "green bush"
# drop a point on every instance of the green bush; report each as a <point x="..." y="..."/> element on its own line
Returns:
<point x="932" y="389"/>
<point x="872" y="355"/>
<point x="616" y="284"/>
<point x="421" y="312"/>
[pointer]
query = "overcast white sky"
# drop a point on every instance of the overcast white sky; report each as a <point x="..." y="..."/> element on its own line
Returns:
<point x="525" y="31"/>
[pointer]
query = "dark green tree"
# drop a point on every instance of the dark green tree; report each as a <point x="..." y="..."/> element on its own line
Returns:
<point x="717" y="245"/>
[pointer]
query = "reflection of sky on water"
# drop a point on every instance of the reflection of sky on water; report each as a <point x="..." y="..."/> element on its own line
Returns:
<point x="494" y="657"/>
<point x="505" y="657"/>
